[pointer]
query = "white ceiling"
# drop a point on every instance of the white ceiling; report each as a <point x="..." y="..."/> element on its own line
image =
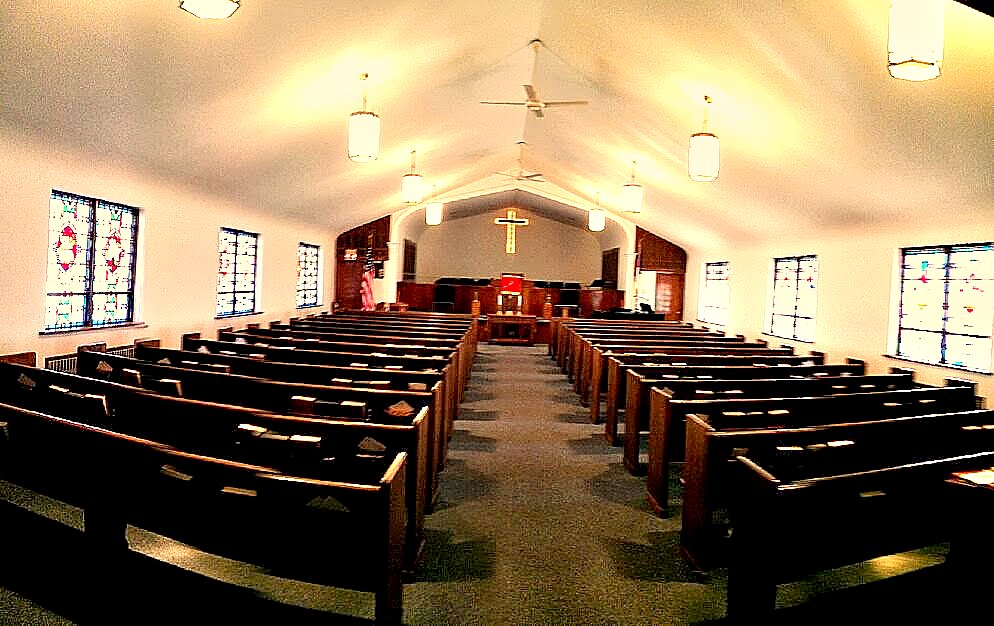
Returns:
<point x="814" y="132"/>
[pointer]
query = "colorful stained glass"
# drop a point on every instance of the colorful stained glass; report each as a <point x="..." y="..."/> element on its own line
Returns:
<point x="308" y="267"/>
<point x="713" y="307"/>
<point x="794" y="298"/>
<point x="236" y="273"/>
<point x="91" y="262"/>
<point x="946" y="314"/>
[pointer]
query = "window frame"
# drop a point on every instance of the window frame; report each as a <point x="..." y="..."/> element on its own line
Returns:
<point x="772" y="314"/>
<point x="91" y="255"/>
<point x="899" y="328"/>
<point x="704" y="302"/>
<point x="318" y="275"/>
<point x="255" y="274"/>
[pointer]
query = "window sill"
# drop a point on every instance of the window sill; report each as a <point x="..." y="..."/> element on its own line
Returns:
<point x="90" y="329"/>
<point x="227" y="316"/>
<point x="787" y="338"/>
<point x="309" y="306"/>
<point x="942" y="365"/>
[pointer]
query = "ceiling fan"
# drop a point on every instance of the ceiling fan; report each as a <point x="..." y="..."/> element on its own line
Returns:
<point x="535" y="104"/>
<point x="520" y="173"/>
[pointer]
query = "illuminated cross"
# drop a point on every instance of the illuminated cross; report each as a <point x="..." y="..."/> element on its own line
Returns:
<point x="512" y="221"/>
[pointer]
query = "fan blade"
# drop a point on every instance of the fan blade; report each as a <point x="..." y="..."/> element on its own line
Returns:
<point x="535" y="176"/>
<point x="514" y="103"/>
<point x="530" y="92"/>
<point x="538" y="112"/>
<point x="550" y="103"/>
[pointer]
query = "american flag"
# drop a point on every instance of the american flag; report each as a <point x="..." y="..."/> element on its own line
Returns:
<point x="366" y="286"/>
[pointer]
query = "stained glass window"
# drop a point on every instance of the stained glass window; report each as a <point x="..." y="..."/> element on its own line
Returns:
<point x="792" y="308"/>
<point x="713" y="300"/>
<point x="237" y="255"/>
<point x="946" y="314"/>
<point x="308" y="275"/>
<point x="92" y="248"/>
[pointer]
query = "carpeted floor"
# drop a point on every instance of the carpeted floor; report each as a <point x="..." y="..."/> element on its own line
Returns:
<point x="538" y="523"/>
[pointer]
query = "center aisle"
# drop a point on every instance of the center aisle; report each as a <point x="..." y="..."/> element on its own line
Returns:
<point x="538" y="522"/>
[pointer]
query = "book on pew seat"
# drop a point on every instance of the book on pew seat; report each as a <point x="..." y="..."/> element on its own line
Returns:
<point x="341" y="381"/>
<point x="219" y="367"/>
<point x="302" y="405"/>
<point x="252" y="428"/>
<point x="979" y="477"/>
<point x="131" y="377"/>
<point x="358" y="364"/>
<point x="393" y="367"/>
<point x="417" y="386"/>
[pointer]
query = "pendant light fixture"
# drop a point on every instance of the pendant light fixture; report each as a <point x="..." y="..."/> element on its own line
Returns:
<point x="433" y="211"/>
<point x="702" y="161"/>
<point x="596" y="218"/>
<point x="915" y="39"/>
<point x="632" y="195"/>
<point x="364" y="131"/>
<point x="411" y="188"/>
<point x="210" y="9"/>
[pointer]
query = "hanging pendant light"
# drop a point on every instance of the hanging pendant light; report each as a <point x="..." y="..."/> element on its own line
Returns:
<point x="364" y="131"/>
<point x="702" y="161"/>
<point x="411" y="185"/>
<point x="433" y="211"/>
<point x="632" y="195"/>
<point x="210" y="9"/>
<point x="596" y="218"/>
<point x="915" y="39"/>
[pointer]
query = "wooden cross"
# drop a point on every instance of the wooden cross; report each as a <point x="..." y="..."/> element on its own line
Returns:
<point x="512" y="221"/>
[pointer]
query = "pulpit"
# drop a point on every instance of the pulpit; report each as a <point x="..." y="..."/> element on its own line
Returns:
<point x="509" y="295"/>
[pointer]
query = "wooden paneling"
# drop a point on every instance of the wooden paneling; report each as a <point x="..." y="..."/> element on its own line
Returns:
<point x="358" y="238"/>
<point x="655" y="253"/>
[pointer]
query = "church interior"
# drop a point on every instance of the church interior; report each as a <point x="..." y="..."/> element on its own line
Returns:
<point x="535" y="189"/>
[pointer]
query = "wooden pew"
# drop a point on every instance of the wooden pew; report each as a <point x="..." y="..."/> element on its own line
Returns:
<point x="460" y="373"/>
<point x="637" y="418"/>
<point x="789" y="522"/>
<point x="597" y="375"/>
<point x="265" y="352"/>
<point x="335" y="375"/>
<point x="774" y="413"/>
<point x="708" y="483"/>
<point x="458" y="348"/>
<point x="242" y="511"/>
<point x="213" y="428"/>
<point x="365" y="410"/>
<point x="591" y="352"/>
<point x="618" y="364"/>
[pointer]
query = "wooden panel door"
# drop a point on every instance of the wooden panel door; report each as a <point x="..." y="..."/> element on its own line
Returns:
<point x="669" y="295"/>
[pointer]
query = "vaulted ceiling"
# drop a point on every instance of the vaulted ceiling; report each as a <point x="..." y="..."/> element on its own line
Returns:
<point x="814" y="132"/>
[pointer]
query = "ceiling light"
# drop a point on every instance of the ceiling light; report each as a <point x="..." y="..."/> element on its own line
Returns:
<point x="596" y="218"/>
<point x="632" y="195"/>
<point x="210" y="9"/>
<point x="411" y="185"/>
<point x="915" y="39"/>
<point x="364" y="131"/>
<point x="433" y="213"/>
<point x="702" y="161"/>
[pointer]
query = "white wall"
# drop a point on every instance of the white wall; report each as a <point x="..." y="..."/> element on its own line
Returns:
<point x="474" y="247"/>
<point x="856" y="275"/>
<point x="177" y="255"/>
